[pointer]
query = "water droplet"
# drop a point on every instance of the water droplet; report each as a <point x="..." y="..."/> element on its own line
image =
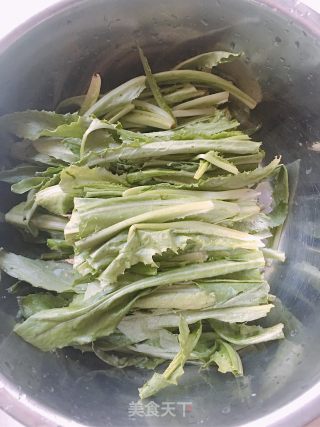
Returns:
<point x="293" y="333"/>
<point x="297" y="43"/>
<point x="8" y="365"/>
<point x="204" y="22"/>
<point x="308" y="171"/>
<point x="277" y="41"/>
<point x="226" y="410"/>
<point x="282" y="59"/>
<point x="253" y="394"/>
<point x="233" y="45"/>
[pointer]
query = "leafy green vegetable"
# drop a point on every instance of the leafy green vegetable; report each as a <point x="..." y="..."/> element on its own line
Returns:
<point x="28" y="184"/>
<point x="50" y="275"/>
<point x="32" y="124"/>
<point x="280" y="197"/>
<point x="246" y="335"/>
<point x="125" y="360"/>
<point x="204" y="101"/>
<point x="121" y="95"/>
<point x="160" y="215"/>
<point x="92" y="94"/>
<point x="240" y="180"/>
<point x="154" y="86"/>
<point x="56" y="148"/>
<point x="227" y="359"/>
<point x="55" y="200"/>
<point x="166" y="148"/>
<point x="213" y="158"/>
<point x="206" y="79"/>
<point x="17" y="174"/>
<point x="85" y="322"/>
<point x="17" y="216"/>
<point x="187" y="340"/>
<point x="154" y="221"/>
<point x="33" y="303"/>
<point x="207" y="60"/>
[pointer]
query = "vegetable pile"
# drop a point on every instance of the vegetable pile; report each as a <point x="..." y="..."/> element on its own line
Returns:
<point x="146" y="206"/>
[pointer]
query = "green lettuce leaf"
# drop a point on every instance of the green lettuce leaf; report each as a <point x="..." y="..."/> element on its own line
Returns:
<point x="160" y="215"/>
<point x="227" y="359"/>
<point x="99" y="316"/>
<point x="181" y="297"/>
<point x="209" y="80"/>
<point x="17" y="216"/>
<point x="187" y="340"/>
<point x="243" y="335"/>
<point x="231" y="145"/>
<point x="141" y="326"/>
<point x="33" y="303"/>
<point x="56" y="148"/>
<point x="141" y="246"/>
<point x="55" y="200"/>
<point x="73" y="129"/>
<point x="206" y="61"/>
<point x="32" y="124"/>
<point x="214" y="159"/>
<point x="203" y="102"/>
<point x="155" y="88"/>
<point x="123" y="360"/>
<point x="19" y="173"/>
<point x="77" y="180"/>
<point x="121" y="95"/>
<point x="28" y="184"/>
<point x="92" y="94"/>
<point x="280" y="195"/>
<point x="217" y="125"/>
<point x="241" y="180"/>
<point x="49" y="275"/>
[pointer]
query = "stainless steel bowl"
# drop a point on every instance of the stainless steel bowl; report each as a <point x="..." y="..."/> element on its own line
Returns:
<point x="52" y="56"/>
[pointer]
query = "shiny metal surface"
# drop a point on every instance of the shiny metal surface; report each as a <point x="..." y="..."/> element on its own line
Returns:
<point x="52" y="57"/>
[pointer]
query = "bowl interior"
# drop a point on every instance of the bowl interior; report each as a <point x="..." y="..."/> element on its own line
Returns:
<point x="55" y="59"/>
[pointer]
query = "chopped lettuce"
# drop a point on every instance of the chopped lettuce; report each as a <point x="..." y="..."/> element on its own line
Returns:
<point x="154" y="220"/>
